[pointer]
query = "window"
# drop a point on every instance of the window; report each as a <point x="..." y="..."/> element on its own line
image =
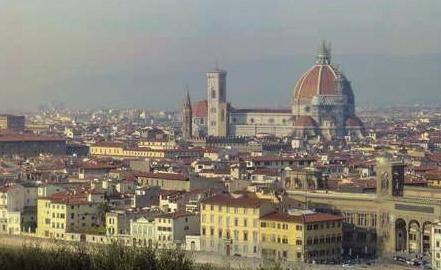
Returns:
<point x="298" y="242"/>
<point x="245" y="236"/>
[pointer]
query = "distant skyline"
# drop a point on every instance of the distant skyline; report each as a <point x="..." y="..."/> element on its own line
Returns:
<point x="137" y="53"/>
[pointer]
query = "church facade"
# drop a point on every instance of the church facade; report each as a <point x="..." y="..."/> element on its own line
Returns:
<point x="323" y="107"/>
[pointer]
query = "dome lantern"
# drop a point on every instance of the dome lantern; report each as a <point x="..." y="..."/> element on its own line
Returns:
<point x="324" y="54"/>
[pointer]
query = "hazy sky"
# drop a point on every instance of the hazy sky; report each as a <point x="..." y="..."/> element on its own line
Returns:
<point x="141" y="53"/>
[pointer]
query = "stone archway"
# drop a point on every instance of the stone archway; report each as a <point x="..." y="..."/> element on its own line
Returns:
<point x="427" y="231"/>
<point x="400" y="235"/>
<point x="414" y="236"/>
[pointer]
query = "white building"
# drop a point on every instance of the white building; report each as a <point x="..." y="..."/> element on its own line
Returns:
<point x="322" y="106"/>
<point x="436" y="245"/>
<point x="171" y="229"/>
<point x="143" y="231"/>
<point x="13" y="200"/>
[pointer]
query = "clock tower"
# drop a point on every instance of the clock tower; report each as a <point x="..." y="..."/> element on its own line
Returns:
<point x="390" y="178"/>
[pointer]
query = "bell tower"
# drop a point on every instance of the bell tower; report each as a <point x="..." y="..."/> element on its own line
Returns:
<point x="187" y="119"/>
<point x="217" y="103"/>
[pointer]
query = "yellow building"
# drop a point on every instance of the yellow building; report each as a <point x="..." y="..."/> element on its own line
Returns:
<point x="301" y="235"/>
<point x="158" y="144"/>
<point x="166" y="181"/>
<point x="117" y="150"/>
<point x="66" y="212"/>
<point x="230" y="224"/>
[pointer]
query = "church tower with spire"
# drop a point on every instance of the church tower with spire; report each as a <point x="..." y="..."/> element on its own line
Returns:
<point x="187" y="119"/>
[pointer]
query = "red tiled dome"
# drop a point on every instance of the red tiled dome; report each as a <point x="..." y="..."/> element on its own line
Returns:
<point x="200" y="109"/>
<point x="305" y="122"/>
<point x="318" y="80"/>
<point x="353" y="121"/>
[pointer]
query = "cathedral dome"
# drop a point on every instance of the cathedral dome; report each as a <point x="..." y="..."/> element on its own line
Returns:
<point x="322" y="79"/>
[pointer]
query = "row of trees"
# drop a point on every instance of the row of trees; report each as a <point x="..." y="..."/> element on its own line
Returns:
<point x="82" y="257"/>
<point x="115" y="256"/>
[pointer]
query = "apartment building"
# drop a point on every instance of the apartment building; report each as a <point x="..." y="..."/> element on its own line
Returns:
<point x="230" y="224"/>
<point x="301" y="235"/>
<point x="67" y="212"/>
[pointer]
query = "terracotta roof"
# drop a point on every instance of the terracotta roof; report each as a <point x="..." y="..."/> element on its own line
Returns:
<point x="200" y="109"/>
<point x="353" y="121"/>
<point x="69" y="197"/>
<point x="108" y="144"/>
<point x="28" y="138"/>
<point x="301" y="218"/>
<point x="263" y="110"/>
<point x="318" y="80"/>
<point x="228" y="200"/>
<point x="161" y="175"/>
<point x="279" y="158"/>
<point x="97" y="166"/>
<point x="305" y="121"/>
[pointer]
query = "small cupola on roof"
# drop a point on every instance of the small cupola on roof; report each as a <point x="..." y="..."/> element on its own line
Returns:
<point x="324" y="54"/>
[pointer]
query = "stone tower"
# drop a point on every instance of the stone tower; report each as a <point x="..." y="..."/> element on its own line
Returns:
<point x="390" y="178"/>
<point x="217" y="103"/>
<point x="187" y="119"/>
